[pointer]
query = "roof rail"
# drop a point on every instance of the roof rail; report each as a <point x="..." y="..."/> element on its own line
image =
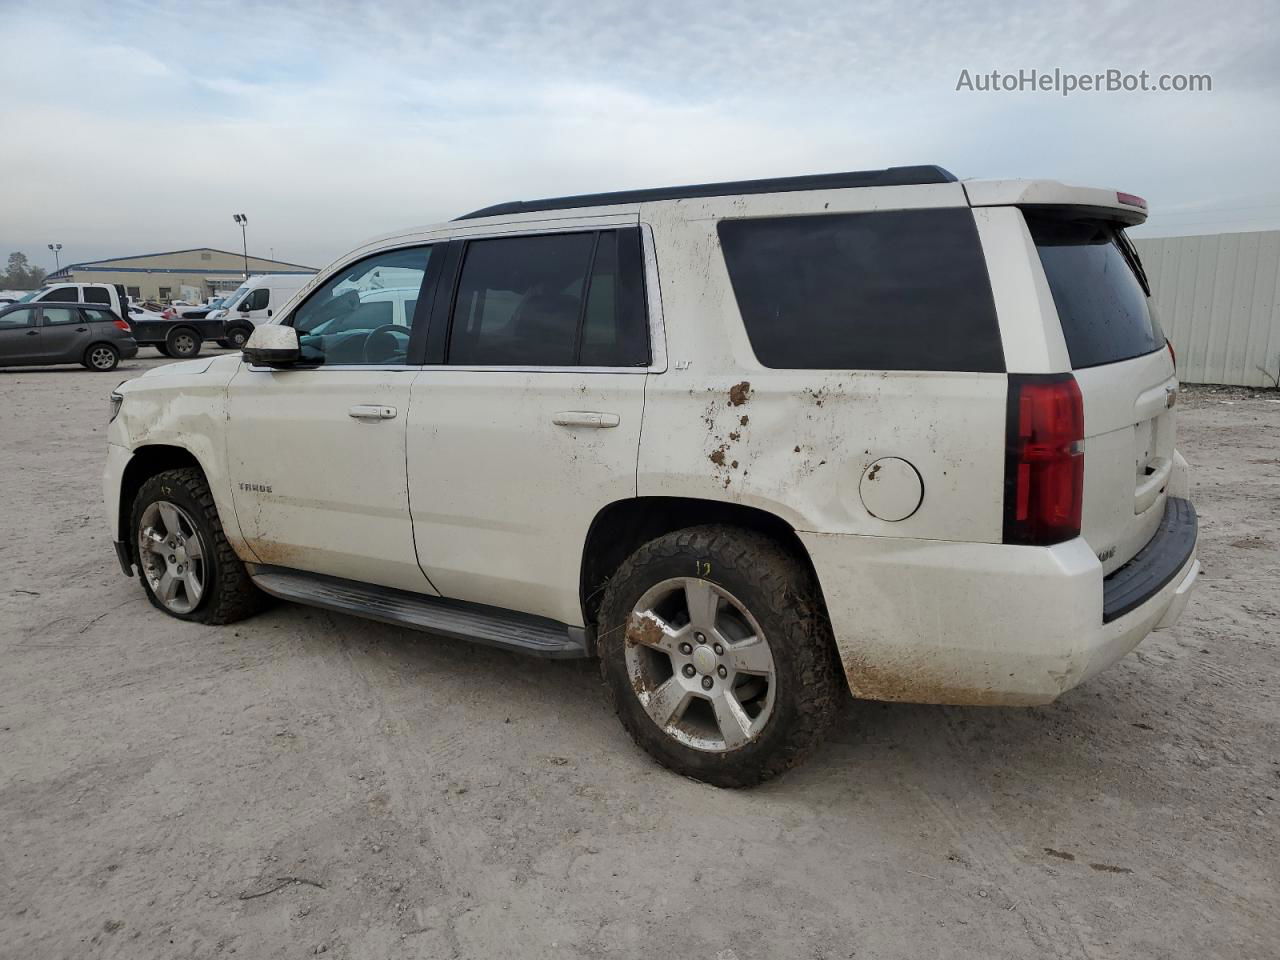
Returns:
<point x="889" y="177"/>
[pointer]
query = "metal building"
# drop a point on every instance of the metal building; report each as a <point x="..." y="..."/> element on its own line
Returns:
<point x="1219" y="301"/>
<point x="193" y="274"/>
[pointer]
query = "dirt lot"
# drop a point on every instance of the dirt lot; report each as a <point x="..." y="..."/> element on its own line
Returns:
<point x="436" y="799"/>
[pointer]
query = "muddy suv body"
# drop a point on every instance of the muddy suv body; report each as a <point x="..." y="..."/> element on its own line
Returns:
<point x="749" y="444"/>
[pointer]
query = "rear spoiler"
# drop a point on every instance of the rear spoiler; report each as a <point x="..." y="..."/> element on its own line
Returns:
<point x="1105" y="204"/>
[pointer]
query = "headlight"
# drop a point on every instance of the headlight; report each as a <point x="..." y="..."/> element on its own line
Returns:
<point x="116" y="400"/>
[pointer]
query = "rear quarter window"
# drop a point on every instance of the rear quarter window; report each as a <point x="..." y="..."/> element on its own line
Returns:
<point x="1103" y="309"/>
<point x="884" y="290"/>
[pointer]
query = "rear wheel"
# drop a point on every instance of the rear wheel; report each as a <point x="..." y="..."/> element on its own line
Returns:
<point x="187" y="568"/>
<point x="182" y="343"/>
<point x="101" y="356"/>
<point x="718" y="656"/>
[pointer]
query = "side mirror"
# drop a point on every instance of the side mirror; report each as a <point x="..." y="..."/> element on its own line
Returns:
<point x="272" y="345"/>
<point x="244" y="309"/>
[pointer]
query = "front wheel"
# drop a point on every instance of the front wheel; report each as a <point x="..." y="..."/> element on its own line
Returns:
<point x="717" y="654"/>
<point x="182" y="343"/>
<point x="187" y="568"/>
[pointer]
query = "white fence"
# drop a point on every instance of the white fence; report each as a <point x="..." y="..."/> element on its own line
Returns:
<point x="1219" y="302"/>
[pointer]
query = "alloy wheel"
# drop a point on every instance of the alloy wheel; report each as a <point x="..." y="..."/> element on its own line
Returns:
<point x="172" y="556"/>
<point x="700" y="664"/>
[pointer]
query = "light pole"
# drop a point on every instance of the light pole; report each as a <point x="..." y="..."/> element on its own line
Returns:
<point x="57" y="263"/>
<point x="241" y="219"/>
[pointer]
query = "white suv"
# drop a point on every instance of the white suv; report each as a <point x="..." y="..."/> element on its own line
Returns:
<point x="749" y="443"/>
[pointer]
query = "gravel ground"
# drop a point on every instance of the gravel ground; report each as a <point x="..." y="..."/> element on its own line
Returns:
<point x="161" y="781"/>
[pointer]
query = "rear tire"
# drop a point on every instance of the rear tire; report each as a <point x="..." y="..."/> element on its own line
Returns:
<point x="212" y="585"/>
<point x="161" y="349"/>
<point x="102" y="357"/>
<point x="183" y="343"/>
<point x="752" y="682"/>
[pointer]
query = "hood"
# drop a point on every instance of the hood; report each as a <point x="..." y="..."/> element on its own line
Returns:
<point x="188" y="368"/>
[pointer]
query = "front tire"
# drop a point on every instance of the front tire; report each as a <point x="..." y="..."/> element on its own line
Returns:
<point x="183" y="343"/>
<point x="185" y="563"/>
<point x="236" y="337"/>
<point x="717" y="655"/>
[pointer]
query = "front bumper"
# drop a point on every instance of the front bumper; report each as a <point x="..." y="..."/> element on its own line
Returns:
<point x="983" y="623"/>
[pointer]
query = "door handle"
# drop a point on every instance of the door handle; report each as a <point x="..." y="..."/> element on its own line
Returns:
<point x="33" y="333"/>
<point x="371" y="411"/>
<point x="82" y="329"/>
<point x="585" y="418"/>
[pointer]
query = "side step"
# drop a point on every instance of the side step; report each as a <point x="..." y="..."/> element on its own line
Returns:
<point x="476" y="622"/>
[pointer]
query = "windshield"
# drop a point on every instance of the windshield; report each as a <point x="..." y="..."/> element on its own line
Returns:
<point x="231" y="301"/>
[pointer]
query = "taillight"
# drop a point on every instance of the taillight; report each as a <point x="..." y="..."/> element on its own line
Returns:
<point x="1044" y="459"/>
<point x="1172" y="356"/>
<point x="1131" y="200"/>
<point x="121" y="325"/>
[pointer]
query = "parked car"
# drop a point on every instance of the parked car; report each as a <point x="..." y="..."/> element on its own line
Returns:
<point x="34" y="334"/>
<point x="254" y="301"/>
<point x="752" y="445"/>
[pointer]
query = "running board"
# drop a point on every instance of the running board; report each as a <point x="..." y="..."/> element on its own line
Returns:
<point x="476" y="622"/>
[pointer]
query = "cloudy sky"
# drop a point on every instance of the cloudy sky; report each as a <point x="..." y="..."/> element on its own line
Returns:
<point x="133" y="126"/>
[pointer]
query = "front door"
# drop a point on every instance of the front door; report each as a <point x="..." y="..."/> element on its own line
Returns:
<point x="19" y="337"/>
<point x="532" y="423"/>
<point x="317" y="454"/>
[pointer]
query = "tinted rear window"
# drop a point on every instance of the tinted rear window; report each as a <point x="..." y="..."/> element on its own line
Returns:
<point x="889" y="290"/>
<point x="96" y="295"/>
<point x="1101" y="304"/>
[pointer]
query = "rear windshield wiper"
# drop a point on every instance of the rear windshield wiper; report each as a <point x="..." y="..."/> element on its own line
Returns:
<point x="1131" y="254"/>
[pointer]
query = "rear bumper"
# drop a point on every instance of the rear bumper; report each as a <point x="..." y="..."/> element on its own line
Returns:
<point x="979" y="623"/>
<point x="128" y="348"/>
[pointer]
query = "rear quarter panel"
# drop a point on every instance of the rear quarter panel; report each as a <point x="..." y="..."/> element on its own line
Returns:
<point x="721" y="426"/>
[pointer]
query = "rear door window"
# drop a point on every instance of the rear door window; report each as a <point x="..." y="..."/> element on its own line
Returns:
<point x="1101" y="303"/>
<point x="883" y="290"/>
<point x="59" y="316"/>
<point x="554" y="300"/>
<point x="96" y="295"/>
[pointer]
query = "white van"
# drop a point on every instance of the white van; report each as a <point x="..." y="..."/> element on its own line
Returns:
<point x="256" y="300"/>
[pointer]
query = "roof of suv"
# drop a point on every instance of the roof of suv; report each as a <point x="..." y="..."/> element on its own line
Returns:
<point x="888" y="177"/>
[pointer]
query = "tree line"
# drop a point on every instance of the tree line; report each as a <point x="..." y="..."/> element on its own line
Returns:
<point x="21" y="274"/>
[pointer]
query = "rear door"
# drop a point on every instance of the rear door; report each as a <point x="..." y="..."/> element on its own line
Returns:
<point x="64" y="334"/>
<point x="100" y="296"/>
<point x="1125" y="372"/>
<point x="531" y="423"/>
